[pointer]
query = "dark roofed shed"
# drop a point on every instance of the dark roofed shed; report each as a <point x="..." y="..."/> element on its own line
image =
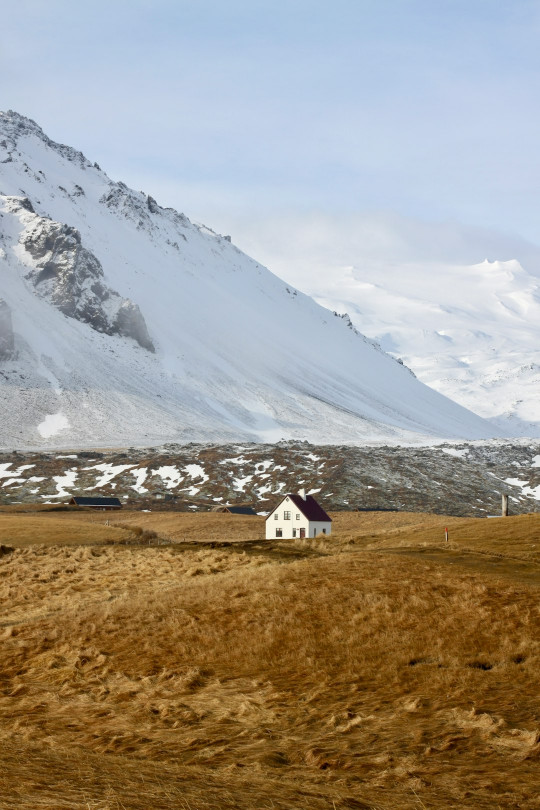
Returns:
<point x="237" y="510"/>
<point x="96" y="503"/>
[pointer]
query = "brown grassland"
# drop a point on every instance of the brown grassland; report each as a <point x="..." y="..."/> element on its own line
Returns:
<point x="180" y="661"/>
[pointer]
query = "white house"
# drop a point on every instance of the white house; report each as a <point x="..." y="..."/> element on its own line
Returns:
<point x="297" y="516"/>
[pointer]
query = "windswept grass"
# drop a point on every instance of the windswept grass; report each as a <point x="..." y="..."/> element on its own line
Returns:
<point x="183" y="677"/>
<point x="517" y="537"/>
<point x="204" y="526"/>
<point x="31" y="529"/>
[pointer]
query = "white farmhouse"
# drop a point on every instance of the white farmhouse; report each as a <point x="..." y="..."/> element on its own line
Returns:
<point x="297" y="516"/>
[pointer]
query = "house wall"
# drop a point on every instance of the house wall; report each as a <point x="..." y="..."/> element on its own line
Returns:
<point x="288" y="527"/>
<point x="316" y="528"/>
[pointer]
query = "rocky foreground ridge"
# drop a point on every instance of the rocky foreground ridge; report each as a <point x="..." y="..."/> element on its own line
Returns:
<point x="458" y="479"/>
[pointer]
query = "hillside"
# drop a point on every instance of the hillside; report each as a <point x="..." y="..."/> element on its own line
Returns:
<point x="467" y="330"/>
<point x="123" y="323"/>
<point x="460" y="479"/>
<point x="375" y="670"/>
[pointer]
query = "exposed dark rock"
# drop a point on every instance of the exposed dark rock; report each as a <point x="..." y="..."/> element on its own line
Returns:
<point x="27" y="205"/>
<point x="7" y="338"/>
<point x="130" y="205"/>
<point x="16" y="126"/>
<point x="129" y="322"/>
<point x="72" y="279"/>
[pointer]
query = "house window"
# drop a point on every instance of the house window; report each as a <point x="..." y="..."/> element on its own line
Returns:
<point x="324" y="531"/>
<point x="276" y="516"/>
<point x="294" y="532"/>
<point x="279" y="533"/>
<point x="286" y="515"/>
<point x="298" y="516"/>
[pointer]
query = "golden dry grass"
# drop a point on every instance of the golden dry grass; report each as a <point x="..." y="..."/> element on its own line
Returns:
<point x="173" y="526"/>
<point x="197" y="677"/>
<point x="204" y="526"/>
<point x="26" y="530"/>
<point x="517" y="536"/>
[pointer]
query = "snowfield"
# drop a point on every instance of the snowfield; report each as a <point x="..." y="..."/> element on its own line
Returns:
<point x="124" y="324"/>
<point x="469" y="330"/>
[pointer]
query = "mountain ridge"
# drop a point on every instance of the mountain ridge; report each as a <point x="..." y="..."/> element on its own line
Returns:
<point x="132" y="325"/>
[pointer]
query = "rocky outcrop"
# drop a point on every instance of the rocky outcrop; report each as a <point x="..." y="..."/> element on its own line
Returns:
<point x="15" y="126"/>
<point x="7" y="338"/>
<point x="71" y="277"/>
<point x="465" y="479"/>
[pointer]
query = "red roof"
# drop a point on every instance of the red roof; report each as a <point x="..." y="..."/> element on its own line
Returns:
<point x="309" y="508"/>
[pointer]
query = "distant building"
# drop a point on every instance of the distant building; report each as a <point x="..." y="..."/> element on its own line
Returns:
<point x="297" y="516"/>
<point x="235" y="510"/>
<point x="96" y="503"/>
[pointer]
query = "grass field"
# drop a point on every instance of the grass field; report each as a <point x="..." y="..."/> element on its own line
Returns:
<point x="180" y="661"/>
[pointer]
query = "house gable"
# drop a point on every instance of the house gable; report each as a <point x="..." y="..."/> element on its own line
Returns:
<point x="297" y="516"/>
<point x="308" y="507"/>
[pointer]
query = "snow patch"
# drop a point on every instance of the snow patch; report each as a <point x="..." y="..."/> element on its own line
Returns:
<point x="5" y="473"/>
<point x="12" y="481"/>
<point x="53" y="424"/>
<point x="196" y="471"/>
<point x="140" y="477"/>
<point x="62" y="484"/>
<point x="240" y="483"/>
<point x="170" y="476"/>
<point x="109" y="471"/>
<point x="452" y="451"/>
<point x="526" y="489"/>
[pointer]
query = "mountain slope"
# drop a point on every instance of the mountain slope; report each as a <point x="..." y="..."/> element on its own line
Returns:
<point x="469" y="330"/>
<point x="124" y="323"/>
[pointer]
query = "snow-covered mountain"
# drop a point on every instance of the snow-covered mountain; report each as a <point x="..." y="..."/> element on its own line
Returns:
<point x="123" y="323"/>
<point x="468" y="329"/>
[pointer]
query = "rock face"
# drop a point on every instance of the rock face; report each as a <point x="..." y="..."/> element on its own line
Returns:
<point x="69" y="276"/>
<point x="16" y="127"/>
<point x="7" y="338"/>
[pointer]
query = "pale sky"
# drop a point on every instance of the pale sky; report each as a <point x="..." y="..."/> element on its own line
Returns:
<point x="243" y="113"/>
